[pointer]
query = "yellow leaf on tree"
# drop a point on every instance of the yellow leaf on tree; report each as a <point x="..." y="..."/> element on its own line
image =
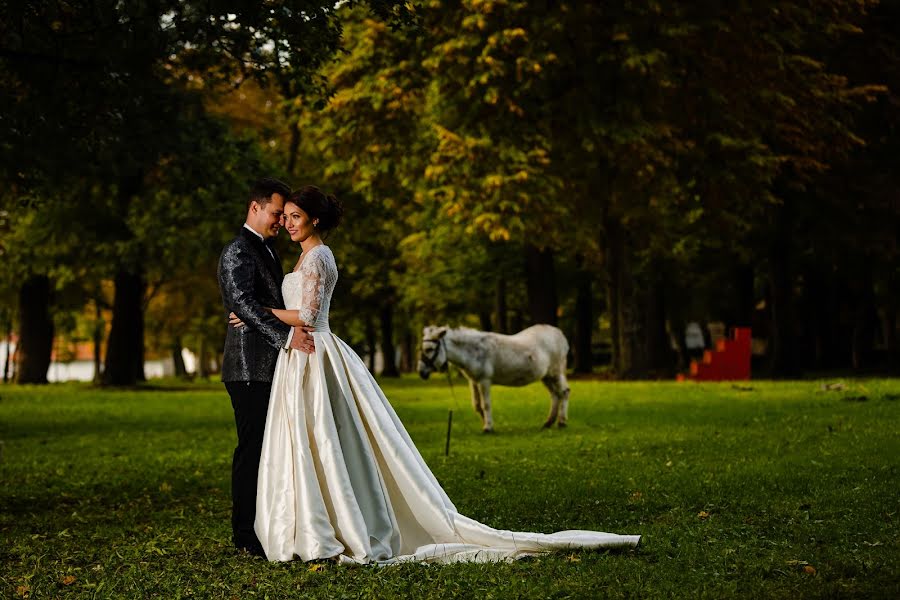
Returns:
<point x="454" y="209"/>
<point x="493" y="181"/>
<point x="498" y="235"/>
<point x="515" y="108"/>
<point x="518" y="32"/>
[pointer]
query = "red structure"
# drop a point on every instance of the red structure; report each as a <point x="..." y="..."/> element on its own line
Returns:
<point x="729" y="361"/>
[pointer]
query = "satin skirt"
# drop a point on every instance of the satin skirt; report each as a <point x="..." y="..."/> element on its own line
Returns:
<point x="339" y="477"/>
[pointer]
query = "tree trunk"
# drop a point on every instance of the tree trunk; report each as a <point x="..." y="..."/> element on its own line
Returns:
<point x="889" y="325"/>
<point x="584" y="320"/>
<point x="541" y="285"/>
<point x="125" y="346"/>
<point x="35" y="331"/>
<point x="98" y="342"/>
<point x="865" y="322"/>
<point x="502" y="316"/>
<point x="178" y="359"/>
<point x="746" y="296"/>
<point x="387" y="342"/>
<point x="658" y="348"/>
<point x="682" y="354"/>
<point x="518" y="323"/>
<point x="816" y="327"/>
<point x="781" y="351"/>
<point x="634" y="360"/>
<point x="484" y="316"/>
<point x="891" y="312"/>
<point x="371" y="342"/>
<point x="6" y="359"/>
<point x="202" y="359"/>
<point x="628" y="306"/>
<point x="407" y="353"/>
<point x="614" y="259"/>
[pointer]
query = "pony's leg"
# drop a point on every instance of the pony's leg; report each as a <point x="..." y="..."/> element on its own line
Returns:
<point x="476" y="398"/>
<point x="486" y="403"/>
<point x="552" y="384"/>
<point x="564" y="400"/>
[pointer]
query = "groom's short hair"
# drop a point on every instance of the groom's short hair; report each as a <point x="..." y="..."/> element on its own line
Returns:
<point x="262" y="190"/>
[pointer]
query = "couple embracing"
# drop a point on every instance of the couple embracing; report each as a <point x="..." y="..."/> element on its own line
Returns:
<point x="323" y="468"/>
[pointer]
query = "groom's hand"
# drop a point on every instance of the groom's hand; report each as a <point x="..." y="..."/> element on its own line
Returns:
<point x="302" y="339"/>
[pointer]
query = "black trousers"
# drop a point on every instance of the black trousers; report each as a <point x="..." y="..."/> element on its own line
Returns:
<point x="250" y="400"/>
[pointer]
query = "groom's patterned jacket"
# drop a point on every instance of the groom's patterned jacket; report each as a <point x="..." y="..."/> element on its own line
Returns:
<point x="249" y="281"/>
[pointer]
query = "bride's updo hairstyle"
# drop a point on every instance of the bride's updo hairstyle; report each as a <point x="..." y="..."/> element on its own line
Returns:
<point x="326" y="208"/>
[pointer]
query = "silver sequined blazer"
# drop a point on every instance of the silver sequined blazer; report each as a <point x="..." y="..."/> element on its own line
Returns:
<point x="249" y="280"/>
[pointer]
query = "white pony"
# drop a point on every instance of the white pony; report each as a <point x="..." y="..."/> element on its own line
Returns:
<point x="485" y="358"/>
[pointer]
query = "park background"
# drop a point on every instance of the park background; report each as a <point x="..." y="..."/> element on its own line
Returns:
<point x="619" y="170"/>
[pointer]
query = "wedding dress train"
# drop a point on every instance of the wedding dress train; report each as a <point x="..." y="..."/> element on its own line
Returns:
<point x="339" y="476"/>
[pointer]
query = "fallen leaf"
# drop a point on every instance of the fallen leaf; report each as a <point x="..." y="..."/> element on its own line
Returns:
<point x="23" y="591"/>
<point x="703" y="514"/>
<point x="809" y="570"/>
<point x="165" y="487"/>
<point x="316" y="567"/>
<point x="68" y="580"/>
<point x="668" y="463"/>
<point x="636" y="496"/>
<point x="573" y="558"/>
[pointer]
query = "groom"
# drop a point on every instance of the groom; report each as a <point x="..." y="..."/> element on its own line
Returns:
<point x="250" y="278"/>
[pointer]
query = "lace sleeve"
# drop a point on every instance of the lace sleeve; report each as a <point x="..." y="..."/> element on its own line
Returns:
<point x="313" y="282"/>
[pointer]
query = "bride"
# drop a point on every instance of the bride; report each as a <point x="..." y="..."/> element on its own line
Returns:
<point x="339" y="477"/>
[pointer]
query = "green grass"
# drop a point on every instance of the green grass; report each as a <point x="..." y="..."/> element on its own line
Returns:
<point x="127" y="493"/>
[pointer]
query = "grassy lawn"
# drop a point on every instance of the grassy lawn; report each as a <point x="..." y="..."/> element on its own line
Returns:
<point x="763" y="490"/>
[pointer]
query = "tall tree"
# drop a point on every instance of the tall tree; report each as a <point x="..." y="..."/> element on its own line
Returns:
<point x="93" y="81"/>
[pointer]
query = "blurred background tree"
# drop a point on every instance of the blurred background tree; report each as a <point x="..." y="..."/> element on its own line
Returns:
<point x="617" y="169"/>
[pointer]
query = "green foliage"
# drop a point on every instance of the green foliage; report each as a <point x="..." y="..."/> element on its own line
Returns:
<point x="735" y="489"/>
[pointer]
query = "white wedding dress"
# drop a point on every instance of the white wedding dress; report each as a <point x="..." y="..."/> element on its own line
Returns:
<point x="339" y="477"/>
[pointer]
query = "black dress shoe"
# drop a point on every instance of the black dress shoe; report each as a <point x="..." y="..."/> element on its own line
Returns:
<point x="253" y="550"/>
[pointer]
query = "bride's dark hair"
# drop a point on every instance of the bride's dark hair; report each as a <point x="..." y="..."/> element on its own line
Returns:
<point x="326" y="208"/>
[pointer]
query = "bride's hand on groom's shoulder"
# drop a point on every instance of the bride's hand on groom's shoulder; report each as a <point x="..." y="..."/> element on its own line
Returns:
<point x="234" y="320"/>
